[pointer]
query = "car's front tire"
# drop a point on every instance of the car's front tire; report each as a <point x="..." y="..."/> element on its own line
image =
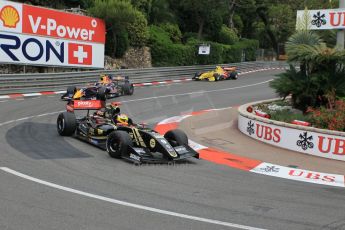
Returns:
<point x="176" y="137"/>
<point x="102" y="93"/>
<point x="117" y="143"/>
<point x="128" y="88"/>
<point x="71" y="90"/>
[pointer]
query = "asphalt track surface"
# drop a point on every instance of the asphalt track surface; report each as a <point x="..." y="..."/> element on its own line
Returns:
<point x="52" y="182"/>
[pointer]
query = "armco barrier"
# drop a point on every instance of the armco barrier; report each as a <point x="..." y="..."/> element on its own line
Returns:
<point x="26" y="83"/>
<point x="308" y="140"/>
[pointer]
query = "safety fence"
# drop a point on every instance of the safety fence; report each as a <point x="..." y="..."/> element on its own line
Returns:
<point x="25" y="83"/>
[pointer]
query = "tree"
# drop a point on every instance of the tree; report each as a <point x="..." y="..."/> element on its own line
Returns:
<point x="280" y="21"/>
<point x="160" y="12"/>
<point x="118" y="15"/>
<point x="227" y="36"/>
<point x="138" y="30"/>
<point x="231" y="7"/>
<point x="203" y="11"/>
<point x="143" y="5"/>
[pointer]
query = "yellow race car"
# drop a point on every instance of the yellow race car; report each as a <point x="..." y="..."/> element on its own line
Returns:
<point x="218" y="74"/>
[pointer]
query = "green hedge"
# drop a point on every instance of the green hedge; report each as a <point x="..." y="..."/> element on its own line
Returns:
<point x="166" y="53"/>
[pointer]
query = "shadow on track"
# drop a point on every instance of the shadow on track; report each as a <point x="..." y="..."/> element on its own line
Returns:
<point x="41" y="141"/>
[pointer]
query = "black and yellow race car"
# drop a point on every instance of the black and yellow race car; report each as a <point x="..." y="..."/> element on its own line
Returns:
<point x="107" y="87"/>
<point x="108" y="129"/>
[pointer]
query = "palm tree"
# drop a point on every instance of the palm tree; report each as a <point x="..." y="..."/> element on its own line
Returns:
<point x="321" y="77"/>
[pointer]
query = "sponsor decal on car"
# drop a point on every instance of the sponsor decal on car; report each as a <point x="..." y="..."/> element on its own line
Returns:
<point x="139" y="150"/>
<point x="93" y="141"/>
<point x="134" y="157"/>
<point x="181" y="149"/>
<point x="172" y="153"/>
<point x="88" y="104"/>
<point x="152" y="143"/>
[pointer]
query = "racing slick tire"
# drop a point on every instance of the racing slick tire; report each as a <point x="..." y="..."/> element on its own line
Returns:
<point x="128" y="88"/>
<point x="196" y="76"/>
<point x="102" y="93"/>
<point x="117" y="143"/>
<point x="71" y="90"/>
<point x="233" y="75"/>
<point x="217" y="77"/>
<point x="66" y="124"/>
<point x="176" y="137"/>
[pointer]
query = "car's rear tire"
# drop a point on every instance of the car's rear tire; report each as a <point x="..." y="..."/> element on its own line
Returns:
<point x="176" y="137"/>
<point x="117" y="143"/>
<point x="128" y="88"/>
<point x="196" y="76"/>
<point x="71" y="90"/>
<point x="66" y="124"/>
<point x="233" y="75"/>
<point x="217" y="76"/>
<point x="102" y="93"/>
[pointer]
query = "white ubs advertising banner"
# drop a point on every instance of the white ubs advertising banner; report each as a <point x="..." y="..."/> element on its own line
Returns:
<point x="317" y="144"/>
<point x="323" y="19"/>
<point x="26" y="49"/>
<point x="299" y="174"/>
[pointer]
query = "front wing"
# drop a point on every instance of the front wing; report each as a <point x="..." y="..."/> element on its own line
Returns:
<point x="143" y="155"/>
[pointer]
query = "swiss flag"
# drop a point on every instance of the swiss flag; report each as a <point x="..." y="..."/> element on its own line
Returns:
<point x="79" y="54"/>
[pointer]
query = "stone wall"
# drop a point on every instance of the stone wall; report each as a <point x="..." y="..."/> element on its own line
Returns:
<point x="134" y="58"/>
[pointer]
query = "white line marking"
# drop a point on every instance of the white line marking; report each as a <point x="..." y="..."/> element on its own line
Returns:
<point x="31" y="94"/>
<point x="4" y="101"/>
<point x="128" y="204"/>
<point x="29" y="117"/>
<point x="198" y="92"/>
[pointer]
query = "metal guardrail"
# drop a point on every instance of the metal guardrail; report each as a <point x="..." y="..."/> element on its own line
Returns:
<point x="26" y="83"/>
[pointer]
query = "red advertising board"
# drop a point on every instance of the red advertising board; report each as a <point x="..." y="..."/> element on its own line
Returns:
<point x="53" y="23"/>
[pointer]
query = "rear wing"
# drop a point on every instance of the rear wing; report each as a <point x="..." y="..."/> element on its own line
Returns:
<point x="84" y="105"/>
<point x="119" y="78"/>
<point x="233" y="68"/>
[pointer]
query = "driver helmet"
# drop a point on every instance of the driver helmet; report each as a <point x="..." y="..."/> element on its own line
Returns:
<point x="104" y="79"/>
<point x="122" y="119"/>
